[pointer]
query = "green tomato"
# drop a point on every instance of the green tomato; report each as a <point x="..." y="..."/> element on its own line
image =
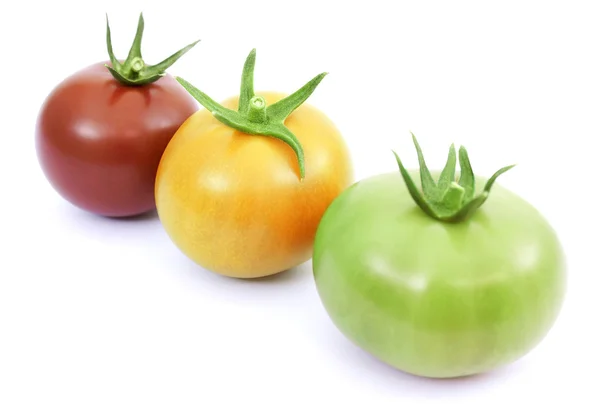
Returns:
<point x="435" y="298"/>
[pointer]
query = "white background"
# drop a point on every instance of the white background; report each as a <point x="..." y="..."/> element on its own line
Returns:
<point x="107" y="317"/>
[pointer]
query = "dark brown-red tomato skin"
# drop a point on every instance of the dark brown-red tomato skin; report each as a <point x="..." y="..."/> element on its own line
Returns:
<point x="99" y="142"/>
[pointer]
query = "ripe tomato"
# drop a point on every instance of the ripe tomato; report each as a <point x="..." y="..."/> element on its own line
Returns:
<point x="437" y="294"/>
<point x="233" y="201"/>
<point x="101" y="132"/>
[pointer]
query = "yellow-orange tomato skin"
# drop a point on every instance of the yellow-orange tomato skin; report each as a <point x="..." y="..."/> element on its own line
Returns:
<point x="234" y="202"/>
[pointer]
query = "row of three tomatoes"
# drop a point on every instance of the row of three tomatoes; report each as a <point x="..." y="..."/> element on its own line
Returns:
<point x="442" y="281"/>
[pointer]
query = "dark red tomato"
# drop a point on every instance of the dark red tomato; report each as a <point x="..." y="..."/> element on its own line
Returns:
<point x="101" y="132"/>
<point x="99" y="142"/>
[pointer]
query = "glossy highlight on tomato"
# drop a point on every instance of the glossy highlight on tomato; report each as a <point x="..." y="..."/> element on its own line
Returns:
<point x="101" y="132"/>
<point x="439" y="294"/>
<point x="241" y="192"/>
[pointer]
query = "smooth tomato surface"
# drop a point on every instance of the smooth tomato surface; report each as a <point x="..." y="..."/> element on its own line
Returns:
<point x="99" y="142"/>
<point x="233" y="202"/>
<point x="437" y="299"/>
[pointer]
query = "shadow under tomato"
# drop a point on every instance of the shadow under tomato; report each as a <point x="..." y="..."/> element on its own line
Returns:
<point x="144" y="217"/>
<point x="283" y="289"/>
<point x="366" y="366"/>
<point x="117" y="230"/>
<point x="80" y="214"/>
<point x="277" y="278"/>
<point x="287" y="277"/>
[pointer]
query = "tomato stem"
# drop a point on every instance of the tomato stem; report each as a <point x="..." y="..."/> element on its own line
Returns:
<point x="134" y="71"/>
<point x="257" y="110"/>
<point x="447" y="200"/>
<point x="453" y="196"/>
<point x="253" y="115"/>
<point x="137" y="65"/>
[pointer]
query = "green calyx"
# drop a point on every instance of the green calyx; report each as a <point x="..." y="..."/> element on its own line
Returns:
<point x="254" y="116"/>
<point x="449" y="199"/>
<point x="134" y="71"/>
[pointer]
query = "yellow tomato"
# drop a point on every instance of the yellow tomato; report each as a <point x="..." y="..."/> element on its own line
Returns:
<point x="234" y="202"/>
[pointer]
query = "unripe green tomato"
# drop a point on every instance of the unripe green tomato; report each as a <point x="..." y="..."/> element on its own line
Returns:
<point x="432" y="298"/>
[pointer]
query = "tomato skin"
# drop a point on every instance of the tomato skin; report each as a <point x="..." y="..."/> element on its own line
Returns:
<point x="234" y="203"/>
<point x="436" y="299"/>
<point x="99" y="142"/>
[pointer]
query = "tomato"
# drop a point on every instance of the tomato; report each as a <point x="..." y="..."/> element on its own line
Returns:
<point x="241" y="193"/>
<point x="430" y="291"/>
<point x="101" y="132"/>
